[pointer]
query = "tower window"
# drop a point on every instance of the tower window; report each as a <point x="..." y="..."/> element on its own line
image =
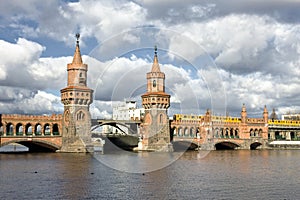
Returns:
<point x="80" y="115"/>
<point x="81" y="78"/>
<point x="161" y="118"/>
<point x="154" y="83"/>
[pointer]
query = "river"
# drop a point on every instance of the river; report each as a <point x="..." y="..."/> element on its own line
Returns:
<point x="236" y="174"/>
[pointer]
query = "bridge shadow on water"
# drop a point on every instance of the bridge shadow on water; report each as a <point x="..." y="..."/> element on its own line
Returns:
<point x="180" y="146"/>
<point x="225" y="146"/>
<point x="117" y="142"/>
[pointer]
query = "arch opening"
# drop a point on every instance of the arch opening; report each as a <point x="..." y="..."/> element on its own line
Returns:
<point x="254" y="145"/>
<point x="9" y="129"/>
<point x="28" y="129"/>
<point x="119" y="139"/>
<point x="47" y="129"/>
<point x="55" y="129"/>
<point x="38" y="129"/>
<point x="34" y="146"/>
<point x="19" y="129"/>
<point x="184" y="146"/>
<point x="226" y="146"/>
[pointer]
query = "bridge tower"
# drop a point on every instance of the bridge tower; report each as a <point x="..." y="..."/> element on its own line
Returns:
<point x="76" y="98"/>
<point x="155" y="127"/>
<point x="266" y="115"/>
<point x="244" y="114"/>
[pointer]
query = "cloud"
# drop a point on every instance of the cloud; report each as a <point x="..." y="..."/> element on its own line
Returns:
<point x="22" y="66"/>
<point x="26" y="101"/>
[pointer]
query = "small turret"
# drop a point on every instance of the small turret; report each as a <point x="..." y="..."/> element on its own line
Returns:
<point x="273" y="115"/>
<point x="244" y="114"/>
<point x="265" y="114"/>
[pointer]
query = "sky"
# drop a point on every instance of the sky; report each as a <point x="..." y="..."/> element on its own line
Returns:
<point x="216" y="54"/>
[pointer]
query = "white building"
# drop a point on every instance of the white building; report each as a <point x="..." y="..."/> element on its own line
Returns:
<point x="128" y="111"/>
<point x="125" y="111"/>
<point x="295" y="117"/>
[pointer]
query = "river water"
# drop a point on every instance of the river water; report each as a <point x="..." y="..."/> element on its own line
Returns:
<point x="237" y="174"/>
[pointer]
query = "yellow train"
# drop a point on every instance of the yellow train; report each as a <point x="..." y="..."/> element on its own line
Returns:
<point x="185" y="117"/>
<point x="179" y="117"/>
<point x="284" y="122"/>
<point x="226" y="119"/>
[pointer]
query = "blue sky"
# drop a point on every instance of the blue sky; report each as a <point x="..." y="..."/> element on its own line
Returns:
<point x="216" y="54"/>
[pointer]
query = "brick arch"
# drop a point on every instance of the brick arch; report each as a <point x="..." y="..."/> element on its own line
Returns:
<point x="184" y="145"/>
<point x="38" y="145"/>
<point x="38" y="129"/>
<point x="47" y="129"/>
<point x="226" y="145"/>
<point x="19" y="129"/>
<point x="27" y="127"/>
<point x="251" y="132"/>
<point x="174" y="131"/>
<point x="192" y="132"/>
<point x="254" y="145"/>
<point x="180" y="131"/>
<point x="10" y="128"/>
<point x="216" y="132"/>
<point x="186" y="131"/>
<point x="14" y="119"/>
<point x="236" y="133"/>
<point x="260" y="132"/>
<point x="55" y="129"/>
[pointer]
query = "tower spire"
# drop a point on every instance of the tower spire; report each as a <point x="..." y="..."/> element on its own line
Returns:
<point x="77" y="56"/>
<point x="155" y="65"/>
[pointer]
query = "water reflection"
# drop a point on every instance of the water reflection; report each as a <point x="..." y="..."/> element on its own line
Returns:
<point x="142" y="162"/>
<point x="238" y="174"/>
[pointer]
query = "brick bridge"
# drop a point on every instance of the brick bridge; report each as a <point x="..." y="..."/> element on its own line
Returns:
<point x="38" y="133"/>
<point x="220" y="132"/>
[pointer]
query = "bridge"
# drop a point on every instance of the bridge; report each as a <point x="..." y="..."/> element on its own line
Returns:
<point x="193" y="143"/>
<point x="44" y="133"/>
<point x="124" y="126"/>
<point x="125" y="135"/>
<point x="38" y="133"/>
<point x="224" y="132"/>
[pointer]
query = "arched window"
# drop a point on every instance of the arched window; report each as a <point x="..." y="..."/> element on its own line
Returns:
<point x="81" y="78"/>
<point x="47" y="130"/>
<point x="19" y="129"/>
<point x="9" y="129"/>
<point x="38" y="129"/>
<point x="80" y="115"/>
<point x="161" y="118"/>
<point x="154" y="83"/>
<point x="28" y="129"/>
<point x="55" y="129"/>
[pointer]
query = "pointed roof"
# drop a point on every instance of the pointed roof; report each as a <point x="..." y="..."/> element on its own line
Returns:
<point x="155" y="65"/>
<point x="244" y="108"/>
<point x="77" y="56"/>
<point x="265" y="109"/>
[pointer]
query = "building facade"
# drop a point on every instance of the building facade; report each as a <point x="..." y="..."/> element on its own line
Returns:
<point x="128" y="110"/>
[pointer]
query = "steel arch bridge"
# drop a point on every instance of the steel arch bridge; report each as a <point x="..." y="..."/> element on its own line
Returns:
<point x="117" y="126"/>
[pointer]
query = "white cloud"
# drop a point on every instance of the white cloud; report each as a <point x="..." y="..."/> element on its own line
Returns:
<point x="257" y="52"/>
